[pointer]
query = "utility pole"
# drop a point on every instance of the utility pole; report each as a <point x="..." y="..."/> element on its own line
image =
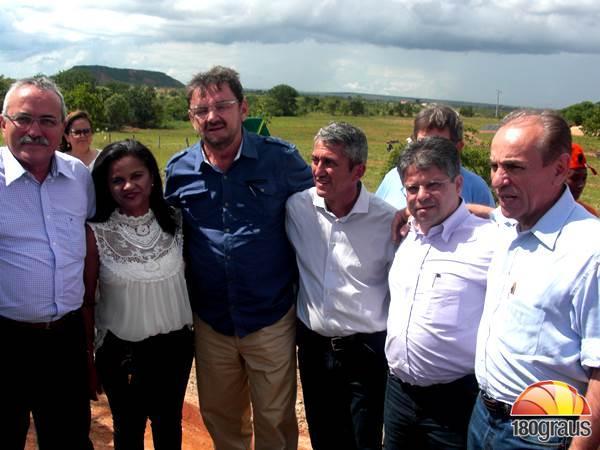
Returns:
<point x="498" y="92"/>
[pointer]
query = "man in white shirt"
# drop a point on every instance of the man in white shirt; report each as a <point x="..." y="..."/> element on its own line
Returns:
<point x="341" y="236"/>
<point x="541" y="319"/>
<point x="437" y="285"/>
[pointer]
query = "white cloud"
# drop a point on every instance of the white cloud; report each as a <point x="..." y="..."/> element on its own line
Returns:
<point x="452" y="49"/>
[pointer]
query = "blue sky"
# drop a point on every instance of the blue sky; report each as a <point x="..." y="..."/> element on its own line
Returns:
<point x="538" y="53"/>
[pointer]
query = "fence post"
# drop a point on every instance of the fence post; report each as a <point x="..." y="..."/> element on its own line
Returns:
<point x="159" y="141"/>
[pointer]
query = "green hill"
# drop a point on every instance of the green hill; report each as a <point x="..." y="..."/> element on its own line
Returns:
<point x="104" y="75"/>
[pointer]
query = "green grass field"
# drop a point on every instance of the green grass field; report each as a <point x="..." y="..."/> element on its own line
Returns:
<point x="301" y="130"/>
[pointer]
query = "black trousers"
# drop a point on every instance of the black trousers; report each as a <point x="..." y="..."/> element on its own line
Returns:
<point x="343" y="381"/>
<point x="44" y="373"/>
<point x="432" y="417"/>
<point x="146" y="380"/>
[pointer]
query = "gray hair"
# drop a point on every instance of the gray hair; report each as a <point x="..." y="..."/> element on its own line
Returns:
<point x="556" y="139"/>
<point x="216" y="76"/>
<point x="439" y="117"/>
<point x="43" y="84"/>
<point x="430" y="152"/>
<point x="351" y="138"/>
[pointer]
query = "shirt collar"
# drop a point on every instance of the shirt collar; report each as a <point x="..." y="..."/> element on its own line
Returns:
<point x="447" y="228"/>
<point x="547" y="229"/>
<point x="246" y="148"/>
<point x="13" y="169"/>
<point x="361" y="206"/>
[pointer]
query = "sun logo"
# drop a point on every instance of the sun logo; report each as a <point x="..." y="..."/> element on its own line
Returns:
<point x="550" y="398"/>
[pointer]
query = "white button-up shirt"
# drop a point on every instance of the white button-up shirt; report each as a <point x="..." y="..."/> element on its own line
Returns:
<point x="542" y="316"/>
<point x="437" y="284"/>
<point x="343" y="263"/>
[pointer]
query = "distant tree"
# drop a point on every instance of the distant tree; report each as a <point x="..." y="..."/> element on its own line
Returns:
<point x="175" y="105"/>
<point x="116" y="111"/>
<point x="578" y="113"/>
<point x="591" y="123"/>
<point x="68" y="79"/>
<point x="330" y="105"/>
<point x="4" y="85"/>
<point x="281" y="100"/>
<point x="356" y="106"/>
<point x="466" y="111"/>
<point x="85" y="96"/>
<point x="146" y="110"/>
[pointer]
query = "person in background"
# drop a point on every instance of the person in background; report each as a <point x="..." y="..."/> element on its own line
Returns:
<point x="78" y="137"/>
<point x="442" y="121"/>
<point x="45" y="198"/>
<point x="437" y="286"/>
<point x="541" y="319"/>
<point x="144" y="346"/>
<point x="231" y="187"/>
<point x="341" y="236"/>
<point x="578" y="172"/>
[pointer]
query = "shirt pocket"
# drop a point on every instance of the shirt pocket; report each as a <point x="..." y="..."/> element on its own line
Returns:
<point x="197" y="204"/>
<point x="520" y="325"/>
<point x="264" y="200"/>
<point x="70" y="236"/>
<point x="443" y="291"/>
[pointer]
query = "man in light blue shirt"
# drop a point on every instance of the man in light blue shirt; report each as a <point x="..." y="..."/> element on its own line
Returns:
<point x="437" y="287"/>
<point x="440" y="121"/>
<point x="45" y="198"/>
<point x="541" y="319"/>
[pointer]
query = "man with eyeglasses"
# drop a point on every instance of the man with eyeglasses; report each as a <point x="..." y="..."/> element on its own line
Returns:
<point x="442" y="121"/>
<point x="45" y="198"/>
<point x="437" y="286"/>
<point x="232" y="187"/>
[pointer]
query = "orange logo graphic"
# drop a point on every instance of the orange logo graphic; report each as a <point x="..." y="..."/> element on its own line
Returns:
<point x="550" y="398"/>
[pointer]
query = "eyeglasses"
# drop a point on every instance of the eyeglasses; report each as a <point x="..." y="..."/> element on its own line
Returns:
<point x="429" y="187"/>
<point x="81" y="132"/>
<point x="25" y="121"/>
<point x="201" y="112"/>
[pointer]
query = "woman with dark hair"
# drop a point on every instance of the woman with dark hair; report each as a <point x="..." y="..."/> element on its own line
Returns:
<point x="143" y="316"/>
<point x="78" y="137"/>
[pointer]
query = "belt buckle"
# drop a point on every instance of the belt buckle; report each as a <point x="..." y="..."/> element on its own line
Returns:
<point x="337" y="343"/>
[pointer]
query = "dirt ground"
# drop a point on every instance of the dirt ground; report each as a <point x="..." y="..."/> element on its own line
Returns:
<point x="195" y="436"/>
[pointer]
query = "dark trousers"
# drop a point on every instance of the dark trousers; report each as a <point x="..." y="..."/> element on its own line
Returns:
<point x="343" y="381"/>
<point x="146" y="380"/>
<point x="430" y="417"/>
<point x="44" y="373"/>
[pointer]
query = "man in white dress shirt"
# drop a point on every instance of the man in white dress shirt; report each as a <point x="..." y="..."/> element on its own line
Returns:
<point x="437" y="285"/>
<point x="341" y="236"/>
<point x="542" y="316"/>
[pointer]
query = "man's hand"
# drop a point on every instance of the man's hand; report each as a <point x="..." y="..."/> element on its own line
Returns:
<point x="592" y="442"/>
<point x="399" y="225"/>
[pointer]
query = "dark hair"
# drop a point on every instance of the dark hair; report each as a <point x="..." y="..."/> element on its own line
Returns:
<point x="439" y="117"/>
<point x="430" y="152"/>
<point x="217" y="76"/>
<point x="72" y="117"/>
<point x="556" y="138"/>
<point x="105" y="204"/>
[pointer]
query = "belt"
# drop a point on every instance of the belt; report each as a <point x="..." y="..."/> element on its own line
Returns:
<point x="495" y="407"/>
<point x="339" y="343"/>
<point x="53" y="325"/>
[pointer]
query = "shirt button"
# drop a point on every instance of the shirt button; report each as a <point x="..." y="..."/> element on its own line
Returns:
<point x="225" y="177"/>
<point x="226" y="230"/>
<point x="226" y="204"/>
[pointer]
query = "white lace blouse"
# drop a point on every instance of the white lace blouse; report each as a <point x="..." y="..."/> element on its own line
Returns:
<point x="142" y="290"/>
